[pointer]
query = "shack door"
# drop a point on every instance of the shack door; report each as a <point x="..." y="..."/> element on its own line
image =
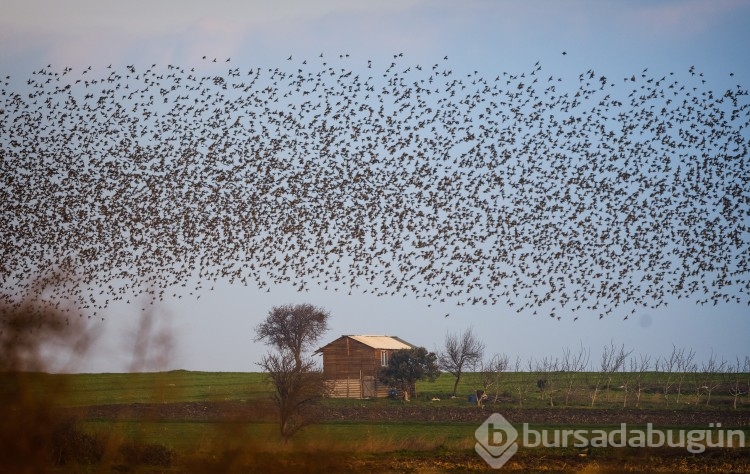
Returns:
<point x="368" y="386"/>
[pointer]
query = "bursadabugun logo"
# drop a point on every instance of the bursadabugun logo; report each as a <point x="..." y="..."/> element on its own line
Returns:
<point x="496" y="440"/>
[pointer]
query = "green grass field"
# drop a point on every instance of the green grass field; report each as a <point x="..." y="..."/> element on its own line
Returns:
<point x="515" y="389"/>
<point x="152" y="387"/>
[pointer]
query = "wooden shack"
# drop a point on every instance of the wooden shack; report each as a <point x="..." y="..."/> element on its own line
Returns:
<point x="351" y="364"/>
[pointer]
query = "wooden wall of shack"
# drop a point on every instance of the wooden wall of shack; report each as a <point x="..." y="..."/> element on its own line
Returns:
<point x="351" y="369"/>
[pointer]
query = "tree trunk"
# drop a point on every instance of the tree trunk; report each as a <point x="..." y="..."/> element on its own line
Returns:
<point x="594" y="395"/>
<point x="455" y="385"/>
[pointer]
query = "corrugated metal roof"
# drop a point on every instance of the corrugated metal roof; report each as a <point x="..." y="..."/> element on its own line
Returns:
<point x="382" y="342"/>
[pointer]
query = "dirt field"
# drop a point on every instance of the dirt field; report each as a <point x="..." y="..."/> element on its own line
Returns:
<point x="263" y="411"/>
<point x="323" y="457"/>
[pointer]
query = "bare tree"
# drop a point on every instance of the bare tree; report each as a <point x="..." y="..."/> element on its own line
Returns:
<point x="667" y="366"/>
<point x="595" y="386"/>
<point x="296" y="387"/>
<point x="520" y="380"/>
<point x="625" y="377"/>
<point x="546" y="373"/>
<point x="735" y="375"/>
<point x="613" y="359"/>
<point x="490" y="373"/>
<point x="572" y="366"/>
<point x="711" y="375"/>
<point x="685" y="366"/>
<point x="293" y="328"/>
<point x="639" y="367"/>
<point x="461" y="352"/>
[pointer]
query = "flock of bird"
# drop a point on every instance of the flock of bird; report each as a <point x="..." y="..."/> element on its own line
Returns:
<point x="536" y="192"/>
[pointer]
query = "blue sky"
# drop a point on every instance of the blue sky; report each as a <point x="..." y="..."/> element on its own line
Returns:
<point x="614" y="38"/>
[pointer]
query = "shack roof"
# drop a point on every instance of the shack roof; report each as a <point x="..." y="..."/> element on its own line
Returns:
<point x="377" y="342"/>
<point x="383" y="342"/>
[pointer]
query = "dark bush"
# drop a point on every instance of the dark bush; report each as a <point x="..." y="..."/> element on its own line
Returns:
<point x="146" y="454"/>
<point x="70" y="444"/>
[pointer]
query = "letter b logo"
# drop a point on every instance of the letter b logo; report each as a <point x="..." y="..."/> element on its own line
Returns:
<point x="496" y="440"/>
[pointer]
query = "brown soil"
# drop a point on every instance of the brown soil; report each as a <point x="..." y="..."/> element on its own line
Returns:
<point x="264" y="411"/>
